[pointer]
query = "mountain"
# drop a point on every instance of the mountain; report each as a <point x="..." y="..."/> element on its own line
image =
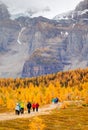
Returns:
<point x="64" y="44"/>
<point x="4" y="14"/>
<point x="29" y="12"/>
<point x="36" y="46"/>
<point x="80" y="13"/>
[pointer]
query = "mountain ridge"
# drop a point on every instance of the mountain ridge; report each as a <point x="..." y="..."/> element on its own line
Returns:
<point x="35" y="46"/>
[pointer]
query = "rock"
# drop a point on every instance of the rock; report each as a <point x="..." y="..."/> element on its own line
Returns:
<point x="36" y="46"/>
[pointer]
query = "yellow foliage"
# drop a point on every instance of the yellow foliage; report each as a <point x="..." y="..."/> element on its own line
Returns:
<point x="86" y="100"/>
<point x="64" y="105"/>
<point x="37" y="124"/>
<point x="1" y="101"/>
<point x="70" y="85"/>
<point x="10" y="104"/>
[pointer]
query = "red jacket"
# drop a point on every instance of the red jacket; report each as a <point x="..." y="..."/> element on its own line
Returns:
<point x="36" y="105"/>
<point x="33" y="105"/>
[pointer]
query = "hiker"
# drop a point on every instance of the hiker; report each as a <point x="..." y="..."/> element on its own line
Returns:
<point x="28" y="106"/>
<point x="17" y="109"/>
<point x="55" y="100"/>
<point x="37" y="106"/>
<point x="21" y="107"/>
<point x="33" y="107"/>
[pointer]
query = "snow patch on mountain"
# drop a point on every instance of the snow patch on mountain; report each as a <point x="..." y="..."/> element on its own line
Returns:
<point x="70" y="15"/>
<point x="64" y="34"/>
<point x="84" y="11"/>
<point x="64" y="16"/>
<point x="18" y="39"/>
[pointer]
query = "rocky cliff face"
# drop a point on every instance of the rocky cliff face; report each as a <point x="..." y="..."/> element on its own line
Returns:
<point x="82" y="6"/>
<point x="32" y="47"/>
<point x="63" y="44"/>
<point x="4" y="14"/>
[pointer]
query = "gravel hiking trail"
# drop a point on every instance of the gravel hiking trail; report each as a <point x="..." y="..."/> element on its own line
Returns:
<point x="42" y="111"/>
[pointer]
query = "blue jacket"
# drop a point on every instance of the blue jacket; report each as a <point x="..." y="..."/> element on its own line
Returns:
<point x="17" y="107"/>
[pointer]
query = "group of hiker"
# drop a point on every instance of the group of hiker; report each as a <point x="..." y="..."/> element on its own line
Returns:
<point x="20" y="107"/>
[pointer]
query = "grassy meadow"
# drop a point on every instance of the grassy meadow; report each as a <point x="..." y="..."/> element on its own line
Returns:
<point x="70" y="118"/>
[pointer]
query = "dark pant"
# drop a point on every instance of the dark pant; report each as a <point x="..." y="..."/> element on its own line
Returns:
<point x="17" y="112"/>
<point x="37" y="109"/>
<point x="28" y="110"/>
<point x="22" y="110"/>
<point x="33" y="109"/>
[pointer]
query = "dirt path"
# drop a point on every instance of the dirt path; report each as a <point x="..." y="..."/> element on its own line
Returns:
<point x="42" y="111"/>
